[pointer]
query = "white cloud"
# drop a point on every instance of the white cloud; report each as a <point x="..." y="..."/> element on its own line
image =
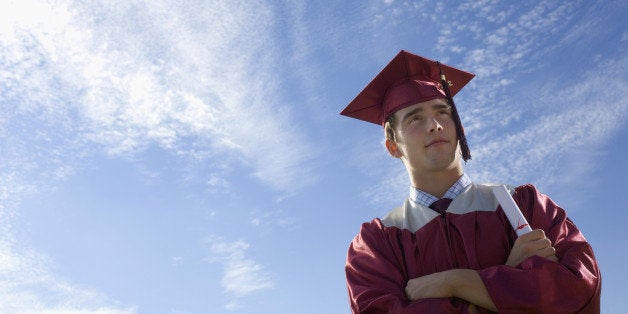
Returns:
<point x="28" y="286"/>
<point x="27" y="283"/>
<point x="64" y="310"/>
<point x="171" y="75"/>
<point x="242" y="276"/>
<point x="271" y="219"/>
<point x="72" y="311"/>
<point x="578" y="122"/>
<point x="77" y="81"/>
<point x="505" y="33"/>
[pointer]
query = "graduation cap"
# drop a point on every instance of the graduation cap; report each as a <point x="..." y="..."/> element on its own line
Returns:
<point x="406" y="80"/>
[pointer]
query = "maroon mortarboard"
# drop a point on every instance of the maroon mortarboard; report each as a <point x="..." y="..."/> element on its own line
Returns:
<point x="406" y="80"/>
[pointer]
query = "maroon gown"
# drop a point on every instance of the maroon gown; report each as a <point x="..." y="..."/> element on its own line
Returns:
<point x="381" y="260"/>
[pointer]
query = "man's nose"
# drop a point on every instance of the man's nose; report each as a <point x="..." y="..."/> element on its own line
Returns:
<point x="434" y="126"/>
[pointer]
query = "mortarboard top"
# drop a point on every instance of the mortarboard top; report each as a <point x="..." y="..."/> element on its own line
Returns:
<point x="405" y="81"/>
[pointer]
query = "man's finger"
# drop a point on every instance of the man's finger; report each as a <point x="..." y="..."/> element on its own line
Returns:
<point x="547" y="252"/>
<point x="533" y="235"/>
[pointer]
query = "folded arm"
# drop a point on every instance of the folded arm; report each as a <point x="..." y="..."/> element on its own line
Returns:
<point x="467" y="284"/>
<point x="376" y="279"/>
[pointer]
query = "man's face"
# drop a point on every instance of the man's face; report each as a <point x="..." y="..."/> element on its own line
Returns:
<point x="426" y="136"/>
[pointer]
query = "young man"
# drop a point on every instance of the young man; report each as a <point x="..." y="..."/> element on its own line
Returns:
<point x="450" y="248"/>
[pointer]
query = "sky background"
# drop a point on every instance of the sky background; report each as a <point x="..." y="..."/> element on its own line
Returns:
<point x="188" y="156"/>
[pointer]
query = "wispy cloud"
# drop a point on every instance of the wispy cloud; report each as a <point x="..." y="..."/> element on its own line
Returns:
<point x="270" y="219"/>
<point x="197" y="80"/>
<point x="579" y="123"/>
<point x="171" y="76"/>
<point x="556" y="118"/>
<point x="27" y="282"/>
<point x="241" y="276"/>
<point x="28" y="286"/>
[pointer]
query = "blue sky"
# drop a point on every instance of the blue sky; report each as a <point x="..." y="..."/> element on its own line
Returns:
<point x="188" y="156"/>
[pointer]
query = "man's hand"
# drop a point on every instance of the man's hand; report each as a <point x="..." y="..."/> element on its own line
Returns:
<point x="530" y="244"/>
<point x="465" y="284"/>
<point x="436" y="285"/>
<point x="473" y="309"/>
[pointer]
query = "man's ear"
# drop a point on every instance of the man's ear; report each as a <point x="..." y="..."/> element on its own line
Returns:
<point x="393" y="149"/>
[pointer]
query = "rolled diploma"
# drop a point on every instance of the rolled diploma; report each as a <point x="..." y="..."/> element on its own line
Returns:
<point x="512" y="211"/>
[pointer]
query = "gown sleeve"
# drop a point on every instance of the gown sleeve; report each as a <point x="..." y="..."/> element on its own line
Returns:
<point x="538" y="284"/>
<point x="376" y="278"/>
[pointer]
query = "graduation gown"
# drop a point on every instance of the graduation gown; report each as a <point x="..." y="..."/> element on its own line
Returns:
<point x="413" y="241"/>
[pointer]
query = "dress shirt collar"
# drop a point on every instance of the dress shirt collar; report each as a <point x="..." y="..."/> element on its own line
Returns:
<point x="426" y="199"/>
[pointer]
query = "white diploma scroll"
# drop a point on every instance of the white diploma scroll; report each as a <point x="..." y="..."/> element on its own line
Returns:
<point x="512" y="211"/>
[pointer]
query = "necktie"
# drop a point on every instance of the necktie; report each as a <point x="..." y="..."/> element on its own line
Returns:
<point x="441" y="205"/>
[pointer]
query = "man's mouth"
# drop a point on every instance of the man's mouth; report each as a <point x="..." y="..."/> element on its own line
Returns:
<point x="436" y="142"/>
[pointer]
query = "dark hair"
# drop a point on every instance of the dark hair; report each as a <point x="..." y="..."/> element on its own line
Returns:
<point x="389" y="127"/>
